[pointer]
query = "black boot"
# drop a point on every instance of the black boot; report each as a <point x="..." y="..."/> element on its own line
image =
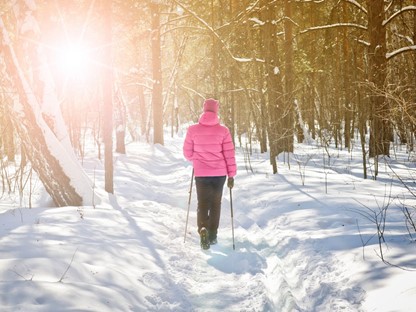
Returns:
<point x="212" y="238"/>
<point x="204" y="238"/>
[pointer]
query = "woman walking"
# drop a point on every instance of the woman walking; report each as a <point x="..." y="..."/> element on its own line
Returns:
<point x="208" y="145"/>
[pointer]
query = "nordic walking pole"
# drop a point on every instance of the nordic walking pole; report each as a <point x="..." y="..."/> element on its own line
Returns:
<point x="189" y="205"/>
<point x="232" y="216"/>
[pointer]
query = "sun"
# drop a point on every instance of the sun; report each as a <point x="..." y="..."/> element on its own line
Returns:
<point x="75" y="61"/>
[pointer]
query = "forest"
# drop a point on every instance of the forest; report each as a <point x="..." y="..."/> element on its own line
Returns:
<point x="109" y="71"/>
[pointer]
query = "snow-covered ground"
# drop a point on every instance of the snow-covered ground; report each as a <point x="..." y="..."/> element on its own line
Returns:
<point x="305" y="239"/>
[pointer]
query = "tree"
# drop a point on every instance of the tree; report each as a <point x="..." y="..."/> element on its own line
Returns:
<point x="108" y="97"/>
<point x="274" y="84"/>
<point x="157" y="95"/>
<point x="42" y="133"/>
<point x="380" y="133"/>
<point x="288" y="122"/>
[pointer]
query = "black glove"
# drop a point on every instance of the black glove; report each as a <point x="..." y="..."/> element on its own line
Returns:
<point x="230" y="183"/>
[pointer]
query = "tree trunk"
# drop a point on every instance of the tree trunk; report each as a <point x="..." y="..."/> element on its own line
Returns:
<point x="309" y="113"/>
<point x="263" y="114"/>
<point x="120" y="122"/>
<point x="157" y="96"/>
<point x="6" y="131"/>
<point x="142" y="110"/>
<point x="214" y="53"/>
<point x="274" y="84"/>
<point x="108" y="98"/>
<point x="347" y="107"/>
<point x="288" y="122"/>
<point x="412" y="129"/>
<point x="380" y="134"/>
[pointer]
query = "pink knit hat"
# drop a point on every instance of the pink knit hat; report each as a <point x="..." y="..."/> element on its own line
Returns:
<point x="211" y="105"/>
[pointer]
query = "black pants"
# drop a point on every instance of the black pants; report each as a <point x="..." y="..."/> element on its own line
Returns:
<point x="209" y="193"/>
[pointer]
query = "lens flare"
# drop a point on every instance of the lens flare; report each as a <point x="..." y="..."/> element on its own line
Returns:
<point x="74" y="61"/>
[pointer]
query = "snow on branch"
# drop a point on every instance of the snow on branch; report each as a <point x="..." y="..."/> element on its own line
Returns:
<point x="334" y="26"/>
<point x="400" y="51"/>
<point x="354" y="2"/>
<point x="257" y="21"/>
<point x="406" y="8"/>
<point x="246" y="60"/>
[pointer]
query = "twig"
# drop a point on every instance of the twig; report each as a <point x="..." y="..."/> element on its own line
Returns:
<point x="63" y="275"/>
<point x="18" y="274"/>
<point x="361" y="238"/>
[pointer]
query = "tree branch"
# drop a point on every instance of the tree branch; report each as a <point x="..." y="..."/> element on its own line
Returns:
<point x="333" y="26"/>
<point x="359" y="6"/>
<point x="400" y="51"/>
<point x="404" y="9"/>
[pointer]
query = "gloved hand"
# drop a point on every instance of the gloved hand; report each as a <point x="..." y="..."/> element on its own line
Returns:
<point x="230" y="183"/>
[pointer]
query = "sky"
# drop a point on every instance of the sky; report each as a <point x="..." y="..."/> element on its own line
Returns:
<point x="305" y="239"/>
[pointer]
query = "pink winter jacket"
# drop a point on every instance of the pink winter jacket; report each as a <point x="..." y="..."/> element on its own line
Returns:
<point x="209" y="147"/>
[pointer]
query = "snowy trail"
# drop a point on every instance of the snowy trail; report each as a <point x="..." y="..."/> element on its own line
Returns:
<point x="214" y="280"/>
<point x="271" y="268"/>
<point x="298" y="247"/>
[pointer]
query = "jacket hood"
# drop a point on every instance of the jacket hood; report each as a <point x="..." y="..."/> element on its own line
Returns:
<point x="209" y="119"/>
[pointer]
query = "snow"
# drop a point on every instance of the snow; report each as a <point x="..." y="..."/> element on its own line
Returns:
<point x="257" y="21"/>
<point x="276" y="70"/>
<point x="310" y="247"/>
